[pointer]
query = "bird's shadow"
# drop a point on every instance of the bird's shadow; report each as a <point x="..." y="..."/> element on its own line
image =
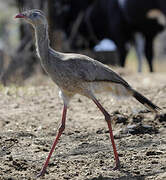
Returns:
<point x="128" y="176"/>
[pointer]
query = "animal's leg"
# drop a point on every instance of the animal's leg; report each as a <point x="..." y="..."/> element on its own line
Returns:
<point x="139" y="47"/>
<point x="149" y="53"/>
<point x="60" y="131"/>
<point x="122" y="54"/>
<point x="108" y="120"/>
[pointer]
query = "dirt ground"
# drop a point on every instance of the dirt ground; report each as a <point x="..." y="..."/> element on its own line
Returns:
<point x="30" y="116"/>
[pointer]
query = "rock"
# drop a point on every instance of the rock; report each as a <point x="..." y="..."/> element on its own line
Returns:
<point x="137" y="118"/>
<point x="153" y="153"/>
<point x="119" y="118"/>
<point x="161" y="117"/>
<point x="141" y="129"/>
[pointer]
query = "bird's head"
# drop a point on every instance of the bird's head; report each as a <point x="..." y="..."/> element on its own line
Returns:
<point x="35" y="17"/>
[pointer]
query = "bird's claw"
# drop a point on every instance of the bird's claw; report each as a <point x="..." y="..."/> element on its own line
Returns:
<point x="42" y="173"/>
<point x="117" y="167"/>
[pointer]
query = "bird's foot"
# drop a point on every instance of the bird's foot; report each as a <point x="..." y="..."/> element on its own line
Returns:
<point x="42" y="173"/>
<point x="117" y="167"/>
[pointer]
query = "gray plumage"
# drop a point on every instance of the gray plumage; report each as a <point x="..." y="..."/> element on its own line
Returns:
<point x="76" y="73"/>
<point x="73" y="73"/>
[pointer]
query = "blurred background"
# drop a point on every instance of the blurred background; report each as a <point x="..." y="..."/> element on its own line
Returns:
<point x="87" y="27"/>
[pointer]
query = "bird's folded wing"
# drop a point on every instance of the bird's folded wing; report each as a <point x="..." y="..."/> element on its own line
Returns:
<point x="87" y="69"/>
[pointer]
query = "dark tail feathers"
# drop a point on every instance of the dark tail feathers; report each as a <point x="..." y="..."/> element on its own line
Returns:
<point x="146" y="102"/>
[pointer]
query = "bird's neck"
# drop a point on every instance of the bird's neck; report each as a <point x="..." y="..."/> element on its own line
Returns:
<point x="42" y="43"/>
<point x="44" y="50"/>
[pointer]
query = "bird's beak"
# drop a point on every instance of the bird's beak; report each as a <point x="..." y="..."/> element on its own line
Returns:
<point x="20" y="16"/>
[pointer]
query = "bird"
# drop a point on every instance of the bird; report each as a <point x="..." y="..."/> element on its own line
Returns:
<point x="78" y="74"/>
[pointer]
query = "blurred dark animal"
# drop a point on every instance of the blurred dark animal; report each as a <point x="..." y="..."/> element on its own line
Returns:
<point x="136" y="14"/>
<point x="114" y="19"/>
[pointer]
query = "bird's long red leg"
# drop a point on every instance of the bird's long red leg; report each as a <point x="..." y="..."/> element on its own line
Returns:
<point x="108" y="120"/>
<point x="60" y="131"/>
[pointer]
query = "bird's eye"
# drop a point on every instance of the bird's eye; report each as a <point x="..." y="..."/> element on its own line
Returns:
<point x="35" y="14"/>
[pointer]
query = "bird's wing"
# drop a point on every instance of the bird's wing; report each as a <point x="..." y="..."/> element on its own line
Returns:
<point x="88" y="69"/>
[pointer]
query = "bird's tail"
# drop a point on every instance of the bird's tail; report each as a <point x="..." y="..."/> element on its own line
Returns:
<point x="146" y="102"/>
